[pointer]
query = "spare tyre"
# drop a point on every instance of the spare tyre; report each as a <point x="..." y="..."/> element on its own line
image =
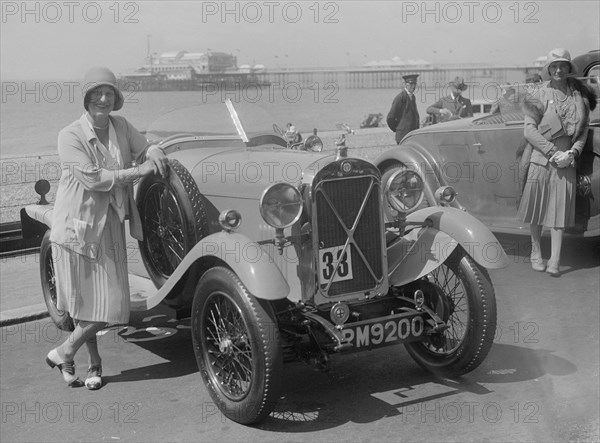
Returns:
<point x="173" y="220"/>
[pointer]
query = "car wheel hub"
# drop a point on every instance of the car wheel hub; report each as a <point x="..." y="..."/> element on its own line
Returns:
<point x="226" y="346"/>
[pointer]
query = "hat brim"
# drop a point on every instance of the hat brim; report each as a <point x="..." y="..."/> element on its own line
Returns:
<point x="119" y="99"/>
<point x="461" y="86"/>
<point x="546" y="70"/>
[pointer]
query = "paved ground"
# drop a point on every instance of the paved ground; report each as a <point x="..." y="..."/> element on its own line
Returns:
<point x="539" y="383"/>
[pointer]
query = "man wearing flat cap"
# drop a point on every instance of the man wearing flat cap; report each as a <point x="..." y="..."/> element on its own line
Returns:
<point x="454" y="106"/>
<point x="403" y="116"/>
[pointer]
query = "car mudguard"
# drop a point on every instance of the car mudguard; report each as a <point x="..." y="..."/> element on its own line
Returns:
<point x="417" y="159"/>
<point x="475" y="238"/>
<point x="252" y="264"/>
<point x="246" y="258"/>
<point x="41" y="213"/>
<point x="418" y="253"/>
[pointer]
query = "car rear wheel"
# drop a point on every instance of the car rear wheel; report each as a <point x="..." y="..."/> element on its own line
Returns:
<point x="461" y="294"/>
<point x="173" y="220"/>
<point x="237" y="347"/>
<point x="61" y="319"/>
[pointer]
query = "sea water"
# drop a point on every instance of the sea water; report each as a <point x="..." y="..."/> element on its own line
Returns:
<point x="30" y="122"/>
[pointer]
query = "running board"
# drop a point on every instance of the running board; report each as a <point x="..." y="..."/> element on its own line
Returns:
<point x="143" y="293"/>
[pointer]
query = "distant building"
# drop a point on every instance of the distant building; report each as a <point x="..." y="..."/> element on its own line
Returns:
<point x="183" y="65"/>
<point x="183" y="70"/>
<point x="397" y="62"/>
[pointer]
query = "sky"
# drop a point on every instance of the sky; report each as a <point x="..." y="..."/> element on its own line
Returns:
<point x="62" y="39"/>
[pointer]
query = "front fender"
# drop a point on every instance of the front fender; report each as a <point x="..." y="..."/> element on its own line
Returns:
<point x="417" y="159"/>
<point x="417" y="254"/>
<point x="475" y="238"/>
<point x="248" y="260"/>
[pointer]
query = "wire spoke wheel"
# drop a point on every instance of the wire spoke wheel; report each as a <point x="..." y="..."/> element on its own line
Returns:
<point x="50" y="276"/>
<point x="452" y="307"/>
<point x="165" y="222"/>
<point x="237" y="346"/>
<point x="227" y="347"/>
<point x="49" y="254"/>
<point x="173" y="216"/>
<point x="460" y="292"/>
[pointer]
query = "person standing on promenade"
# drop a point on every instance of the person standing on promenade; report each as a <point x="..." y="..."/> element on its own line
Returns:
<point x="453" y="106"/>
<point x="94" y="197"/>
<point x="556" y="126"/>
<point x="404" y="116"/>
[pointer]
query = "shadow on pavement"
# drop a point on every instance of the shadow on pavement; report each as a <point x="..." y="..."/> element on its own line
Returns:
<point x="164" y="337"/>
<point x="509" y="364"/>
<point x="359" y="388"/>
<point x="359" y="391"/>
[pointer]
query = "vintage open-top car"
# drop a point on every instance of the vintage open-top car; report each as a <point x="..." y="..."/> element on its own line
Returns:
<point x="282" y="254"/>
<point x="479" y="158"/>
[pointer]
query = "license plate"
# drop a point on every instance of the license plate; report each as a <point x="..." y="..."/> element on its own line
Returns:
<point x="329" y="258"/>
<point x="384" y="331"/>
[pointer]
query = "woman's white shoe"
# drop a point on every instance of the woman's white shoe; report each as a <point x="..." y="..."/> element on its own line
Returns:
<point x="94" y="377"/>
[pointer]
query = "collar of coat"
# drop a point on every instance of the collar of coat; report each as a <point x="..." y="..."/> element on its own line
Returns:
<point x="585" y="101"/>
<point x="86" y="127"/>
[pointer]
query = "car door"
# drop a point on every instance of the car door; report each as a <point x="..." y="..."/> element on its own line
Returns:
<point x="496" y="139"/>
<point x="456" y="165"/>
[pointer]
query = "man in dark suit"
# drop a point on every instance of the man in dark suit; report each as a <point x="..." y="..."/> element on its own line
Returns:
<point x="404" y="117"/>
<point x="454" y="106"/>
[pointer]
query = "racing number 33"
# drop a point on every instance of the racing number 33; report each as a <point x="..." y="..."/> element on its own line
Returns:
<point x="329" y="258"/>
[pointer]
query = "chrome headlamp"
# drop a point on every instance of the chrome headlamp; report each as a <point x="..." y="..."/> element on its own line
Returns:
<point x="313" y="143"/>
<point x="445" y="195"/>
<point x="230" y="220"/>
<point x="281" y="205"/>
<point x="404" y="190"/>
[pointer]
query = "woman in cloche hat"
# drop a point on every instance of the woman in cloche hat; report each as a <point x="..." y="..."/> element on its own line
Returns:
<point x="556" y="117"/>
<point x="94" y="196"/>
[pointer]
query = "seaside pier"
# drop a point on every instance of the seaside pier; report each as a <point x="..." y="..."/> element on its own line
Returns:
<point x="343" y="77"/>
<point x="382" y="78"/>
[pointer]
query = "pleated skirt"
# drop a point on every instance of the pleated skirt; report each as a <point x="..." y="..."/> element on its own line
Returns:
<point x="95" y="289"/>
<point x="549" y="196"/>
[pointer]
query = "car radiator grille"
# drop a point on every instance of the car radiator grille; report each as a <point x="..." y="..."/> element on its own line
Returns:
<point x="348" y="215"/>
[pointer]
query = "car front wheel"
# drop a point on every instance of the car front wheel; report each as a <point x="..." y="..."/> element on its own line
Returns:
<point x="237" y="346"/>
<point x="461" y="293"/>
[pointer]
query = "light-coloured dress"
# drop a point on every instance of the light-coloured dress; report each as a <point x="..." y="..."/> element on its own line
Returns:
<point x="94" y="285"/>
<point x="549" y="192"/>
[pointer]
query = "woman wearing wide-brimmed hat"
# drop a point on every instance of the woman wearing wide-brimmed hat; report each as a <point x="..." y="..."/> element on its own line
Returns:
<point x="453" y="106"/>
<point x="94" y="197"/>
<point x="556" y="119"/>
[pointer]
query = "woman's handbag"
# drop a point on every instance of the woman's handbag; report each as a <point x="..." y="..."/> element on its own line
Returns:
<point x="551" y="126"/>
<point x="524" y="158"/>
